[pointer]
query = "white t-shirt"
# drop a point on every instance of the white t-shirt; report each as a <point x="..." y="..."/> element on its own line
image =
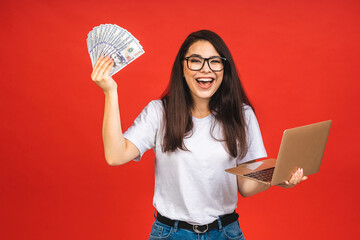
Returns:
<point x="192" y="185"/>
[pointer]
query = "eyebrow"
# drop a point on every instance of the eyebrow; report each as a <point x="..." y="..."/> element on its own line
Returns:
<point x="197" y="55"/>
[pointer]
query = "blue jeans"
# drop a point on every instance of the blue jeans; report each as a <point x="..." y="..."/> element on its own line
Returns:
<point x="161" y="231"/>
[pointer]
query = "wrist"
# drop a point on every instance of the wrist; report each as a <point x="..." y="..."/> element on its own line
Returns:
<point x="111" y="92"/>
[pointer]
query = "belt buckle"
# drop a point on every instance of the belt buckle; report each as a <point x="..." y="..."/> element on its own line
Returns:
<point x="196" y="228"/>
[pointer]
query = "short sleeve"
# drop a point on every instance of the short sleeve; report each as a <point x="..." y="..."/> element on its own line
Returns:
<point x="256" y="147"/>
<point x="142" y="133"/>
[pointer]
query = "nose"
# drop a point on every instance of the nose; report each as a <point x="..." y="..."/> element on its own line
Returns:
<point x="206" y="67"/>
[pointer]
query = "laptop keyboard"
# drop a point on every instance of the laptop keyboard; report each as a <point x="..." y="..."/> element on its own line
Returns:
<point x="264" y="175"/>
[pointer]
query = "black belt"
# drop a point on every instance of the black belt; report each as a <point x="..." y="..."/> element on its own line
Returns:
<point x="225" y="220"/>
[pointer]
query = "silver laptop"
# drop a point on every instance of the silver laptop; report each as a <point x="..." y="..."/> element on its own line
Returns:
<point x="301" y="147"/>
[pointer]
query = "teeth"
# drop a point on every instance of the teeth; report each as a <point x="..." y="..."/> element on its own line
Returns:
<point x="204" y="80"/>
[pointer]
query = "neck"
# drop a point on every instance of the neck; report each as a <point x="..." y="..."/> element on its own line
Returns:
<point x="200" y="109"/>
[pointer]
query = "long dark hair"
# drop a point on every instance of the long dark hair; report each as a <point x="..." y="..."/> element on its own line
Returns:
<point x="226" y="104"/>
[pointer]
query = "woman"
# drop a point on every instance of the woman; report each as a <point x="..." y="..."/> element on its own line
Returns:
<point x="203" y="125"/>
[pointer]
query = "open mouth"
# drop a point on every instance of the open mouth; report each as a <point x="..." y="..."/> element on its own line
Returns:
<point x="205" y="82"/>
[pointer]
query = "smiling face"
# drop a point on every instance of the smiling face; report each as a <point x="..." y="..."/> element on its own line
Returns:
<point x="205" y="82"/>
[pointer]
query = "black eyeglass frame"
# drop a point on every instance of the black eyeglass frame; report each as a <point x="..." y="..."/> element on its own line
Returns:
<point x="206" y="60"/>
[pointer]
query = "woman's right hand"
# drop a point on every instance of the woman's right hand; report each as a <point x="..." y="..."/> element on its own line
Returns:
<point x="100" y="74"/>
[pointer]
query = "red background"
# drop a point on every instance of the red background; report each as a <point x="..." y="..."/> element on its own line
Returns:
<point x="298" y="60"/>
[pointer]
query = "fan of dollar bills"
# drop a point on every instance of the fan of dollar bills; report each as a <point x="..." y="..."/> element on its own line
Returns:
<point x="114" y="41"/>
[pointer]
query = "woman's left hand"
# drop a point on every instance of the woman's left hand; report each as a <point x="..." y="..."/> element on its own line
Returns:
<point x="295" y="179"/>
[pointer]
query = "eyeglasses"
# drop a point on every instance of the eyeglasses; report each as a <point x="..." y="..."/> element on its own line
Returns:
<point x="196" y="63"/>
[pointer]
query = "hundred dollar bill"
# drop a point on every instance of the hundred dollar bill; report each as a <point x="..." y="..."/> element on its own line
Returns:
<point x="114" y="41"/>
<point x="124" y="56"/>
<point x="117" y="35"/>
<point x="92" y="47"/>
<point x="89" y="46"/>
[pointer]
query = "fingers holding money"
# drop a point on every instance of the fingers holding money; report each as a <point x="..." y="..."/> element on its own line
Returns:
<point x="104" y="67"/>
<point x="101" y="64"/>
<point x="100" y="74"/>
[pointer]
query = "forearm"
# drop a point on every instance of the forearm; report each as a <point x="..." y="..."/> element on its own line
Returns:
<point x="247" y="187"/>
<point x="113" y="139"/>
